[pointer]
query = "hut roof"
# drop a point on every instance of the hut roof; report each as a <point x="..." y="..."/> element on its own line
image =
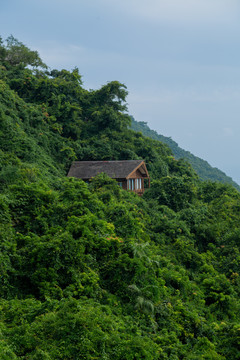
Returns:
<point x="120" y="169"/>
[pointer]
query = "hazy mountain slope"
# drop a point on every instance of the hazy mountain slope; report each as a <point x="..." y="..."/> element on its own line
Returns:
<point x="202" y="167"/>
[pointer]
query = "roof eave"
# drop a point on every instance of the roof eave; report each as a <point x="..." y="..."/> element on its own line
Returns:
<point x="137" y="167"/>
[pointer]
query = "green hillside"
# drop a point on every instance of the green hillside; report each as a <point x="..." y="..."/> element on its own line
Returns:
<point x="90" y="271"/>
<point x="202" y="167"/>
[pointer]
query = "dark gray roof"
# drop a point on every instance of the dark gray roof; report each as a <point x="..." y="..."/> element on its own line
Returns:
<point x="114" y="169"/>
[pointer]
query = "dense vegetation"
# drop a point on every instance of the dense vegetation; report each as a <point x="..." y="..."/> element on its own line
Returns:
<point x="202" y="167"/>
<point x="90" y="271"/>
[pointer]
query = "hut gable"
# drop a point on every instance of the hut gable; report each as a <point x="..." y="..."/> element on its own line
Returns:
<point x="130" y="174"/>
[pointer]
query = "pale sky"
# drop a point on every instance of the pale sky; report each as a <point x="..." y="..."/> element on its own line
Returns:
<point x="180" y="60"/>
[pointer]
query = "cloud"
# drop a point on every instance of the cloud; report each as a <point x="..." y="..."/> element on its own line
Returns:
<point x="97" y="66"/>
<point x="70" y="55"/>
<point x="179" y="11"/>
<point x="228" y="132"/>
<point x="169" y="11"/>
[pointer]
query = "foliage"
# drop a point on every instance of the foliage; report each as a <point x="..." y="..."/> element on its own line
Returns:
<point x="16" y="53"/>
<point x="90" y="271"/>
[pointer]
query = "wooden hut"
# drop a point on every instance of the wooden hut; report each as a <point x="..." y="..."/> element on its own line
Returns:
<point x="130" y="174"/>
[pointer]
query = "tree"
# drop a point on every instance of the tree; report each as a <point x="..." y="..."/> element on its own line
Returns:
<point x="19" y="54"/>
<point x="107" y="107"/>
<point x="175" y="192"/>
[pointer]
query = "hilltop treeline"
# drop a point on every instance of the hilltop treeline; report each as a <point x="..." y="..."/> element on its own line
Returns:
<point x="90" y="271"/>
<point x="202" y="167"/>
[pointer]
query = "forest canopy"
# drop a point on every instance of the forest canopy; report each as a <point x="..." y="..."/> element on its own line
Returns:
<point x="90" y="271"/>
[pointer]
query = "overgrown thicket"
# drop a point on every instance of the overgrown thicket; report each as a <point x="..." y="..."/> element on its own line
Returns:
<point x="90" y="271"/>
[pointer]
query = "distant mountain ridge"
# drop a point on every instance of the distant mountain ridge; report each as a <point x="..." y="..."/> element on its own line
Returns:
<point x="204" y="170"/>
